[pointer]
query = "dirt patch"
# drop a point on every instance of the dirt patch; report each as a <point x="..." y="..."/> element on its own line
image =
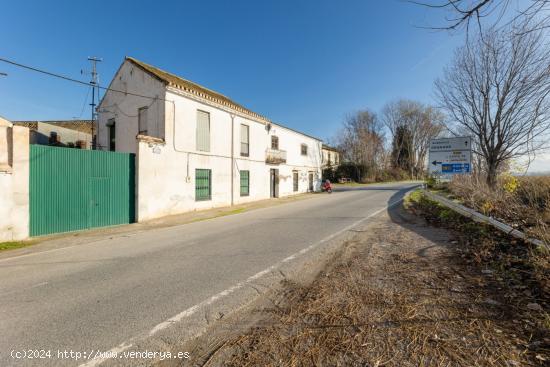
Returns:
<point x="399" y="294"/>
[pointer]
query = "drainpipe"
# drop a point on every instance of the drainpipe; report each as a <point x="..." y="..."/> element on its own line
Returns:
<point x="232" y="157"/>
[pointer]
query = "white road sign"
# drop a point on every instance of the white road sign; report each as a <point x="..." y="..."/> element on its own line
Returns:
<point x="450" y="156"/>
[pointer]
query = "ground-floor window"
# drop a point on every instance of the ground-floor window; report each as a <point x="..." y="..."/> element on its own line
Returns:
<point x="203" y="184"/>
<point x="295" y="180"/>
<point x="245" y="183"/>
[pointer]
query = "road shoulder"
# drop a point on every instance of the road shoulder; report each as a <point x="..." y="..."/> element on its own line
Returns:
<point x="397" y="293"/>
<point x="70" y="239"/>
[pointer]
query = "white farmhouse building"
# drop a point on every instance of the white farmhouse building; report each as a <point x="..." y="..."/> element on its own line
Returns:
<point x="331" y="157"/>
<point x="197" y="149"/>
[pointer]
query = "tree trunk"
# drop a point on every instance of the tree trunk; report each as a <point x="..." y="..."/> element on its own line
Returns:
<point x="491" y="174"/>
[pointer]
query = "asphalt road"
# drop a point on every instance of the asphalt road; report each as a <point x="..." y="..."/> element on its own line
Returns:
<point x="99" y="295"/>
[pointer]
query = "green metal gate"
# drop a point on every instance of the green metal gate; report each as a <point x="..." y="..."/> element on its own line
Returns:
<point x="73" y="189"/>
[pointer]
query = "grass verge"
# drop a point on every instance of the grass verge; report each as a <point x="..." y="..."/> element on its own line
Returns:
<point x="12" y="245"/>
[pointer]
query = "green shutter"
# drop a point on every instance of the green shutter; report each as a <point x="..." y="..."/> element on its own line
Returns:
<point x="203" y="131"/>
<point x="203" y="184"/>
<point x="245" y="183"/>
<point x="244" y="140"/>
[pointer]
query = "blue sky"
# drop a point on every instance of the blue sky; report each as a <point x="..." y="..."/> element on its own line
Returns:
<point x="305" y="64"/>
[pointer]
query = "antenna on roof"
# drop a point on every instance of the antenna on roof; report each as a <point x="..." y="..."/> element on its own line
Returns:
<point x="95" y="89"/>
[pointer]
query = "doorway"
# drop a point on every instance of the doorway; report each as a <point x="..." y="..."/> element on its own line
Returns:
<point x="274" y="183"/>
<point x="310" y="181"/>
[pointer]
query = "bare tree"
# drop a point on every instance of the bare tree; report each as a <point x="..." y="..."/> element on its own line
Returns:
<point x="361" y="141"/>
<point x="463" y="12"/>
<point x="419" y="123"/>
<point x="497" y="90"/>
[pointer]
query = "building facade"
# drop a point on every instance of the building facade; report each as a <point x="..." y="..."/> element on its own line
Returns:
<point x="62" y="133"/>
<point x="331" y="157"/>
<point x="197" y="149"/>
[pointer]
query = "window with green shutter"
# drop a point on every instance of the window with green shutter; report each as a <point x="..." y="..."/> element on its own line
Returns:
<point x="244" y="140"/>
<point x="245" y="183"/>
<point x="203" y="184"/>
<point x="203" y="131"/>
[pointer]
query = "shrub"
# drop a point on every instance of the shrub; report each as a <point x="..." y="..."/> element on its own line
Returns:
<point x="522" y="202"/>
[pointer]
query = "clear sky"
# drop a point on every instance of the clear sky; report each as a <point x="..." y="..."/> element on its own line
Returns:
<point x="305" y="64"/>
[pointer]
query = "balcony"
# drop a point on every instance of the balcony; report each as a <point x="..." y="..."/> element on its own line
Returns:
<point x="275" y="156"/>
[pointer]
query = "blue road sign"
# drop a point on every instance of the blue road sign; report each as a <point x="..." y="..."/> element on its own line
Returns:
<point x="455" y="168"/>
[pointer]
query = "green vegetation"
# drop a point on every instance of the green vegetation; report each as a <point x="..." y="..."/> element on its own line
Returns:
<point x="519" y="263"/>
<point x="522" y="202"/>
<point x="12" y="245"/>
<point x="231" y="212"/>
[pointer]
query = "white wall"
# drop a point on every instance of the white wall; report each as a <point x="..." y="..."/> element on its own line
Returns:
<point x="165" y="167"/>
<point x="334" y="158"/>
<point x="166" y="172"/>
<point x="124" y="108"/>
<point x="14" y="187"/>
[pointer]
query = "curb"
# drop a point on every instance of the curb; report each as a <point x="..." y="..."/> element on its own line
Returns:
<point x="478" y="217"/>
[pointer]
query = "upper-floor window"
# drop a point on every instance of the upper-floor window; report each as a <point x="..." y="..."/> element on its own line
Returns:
<point x="203" y="131"/>
<point x="244" y="140"/>
<point x="274" y="142"/>
<point x="112" y="134"/>
<point x="303" y="149"/>
<point x="142" y="120"/>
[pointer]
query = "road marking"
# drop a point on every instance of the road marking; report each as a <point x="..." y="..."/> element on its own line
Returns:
<point x="193" y="309"/>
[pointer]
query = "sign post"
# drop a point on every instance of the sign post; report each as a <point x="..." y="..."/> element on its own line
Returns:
<point x="450" y="156"/>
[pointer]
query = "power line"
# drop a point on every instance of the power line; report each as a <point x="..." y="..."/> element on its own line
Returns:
<point x="84" y="103"/>
<point x="76" y="80"/>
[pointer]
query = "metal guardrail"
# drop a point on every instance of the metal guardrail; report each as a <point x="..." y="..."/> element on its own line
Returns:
<point x="480" y="218"/>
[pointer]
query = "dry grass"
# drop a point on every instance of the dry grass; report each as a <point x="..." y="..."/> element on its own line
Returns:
<point x="519" y="263"/>
<point x="396" y="296"/>
<point x="522" y="202"/>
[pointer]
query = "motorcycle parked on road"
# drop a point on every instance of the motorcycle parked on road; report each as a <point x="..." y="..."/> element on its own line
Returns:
<point x="326" y="186"/>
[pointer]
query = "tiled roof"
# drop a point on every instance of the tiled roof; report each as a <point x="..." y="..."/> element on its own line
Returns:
<point x="194" y="88"/>
<point x="84" y="126"/>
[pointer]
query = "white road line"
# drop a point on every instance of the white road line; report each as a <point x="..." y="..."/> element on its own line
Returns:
<point x="193" y="309"/>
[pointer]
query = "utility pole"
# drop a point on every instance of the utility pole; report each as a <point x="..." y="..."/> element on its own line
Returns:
<point x="95" y="86"/>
